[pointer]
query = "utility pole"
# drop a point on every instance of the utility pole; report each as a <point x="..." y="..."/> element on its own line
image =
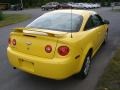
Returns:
<point x="21" y="4"/>
<point x="112" y="4"/>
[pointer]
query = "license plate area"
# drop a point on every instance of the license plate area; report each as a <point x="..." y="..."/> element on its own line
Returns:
<point x="26" y="65"/>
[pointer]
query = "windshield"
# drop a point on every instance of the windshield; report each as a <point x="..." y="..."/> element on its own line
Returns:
<point x="58" y="21"/>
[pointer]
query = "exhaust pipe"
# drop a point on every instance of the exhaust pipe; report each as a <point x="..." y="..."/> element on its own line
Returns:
<point x="14" y="67"/>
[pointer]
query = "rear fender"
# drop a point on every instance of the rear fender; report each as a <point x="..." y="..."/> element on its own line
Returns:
<point x="83" y="56"/>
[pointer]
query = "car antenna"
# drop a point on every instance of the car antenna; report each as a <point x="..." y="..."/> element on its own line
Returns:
<point x="71" y="23"/>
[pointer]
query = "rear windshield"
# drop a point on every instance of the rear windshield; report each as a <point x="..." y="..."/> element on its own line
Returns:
<point x="58" y="22"/>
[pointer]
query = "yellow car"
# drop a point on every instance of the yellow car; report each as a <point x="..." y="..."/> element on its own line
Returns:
<point x="58" y="44"/>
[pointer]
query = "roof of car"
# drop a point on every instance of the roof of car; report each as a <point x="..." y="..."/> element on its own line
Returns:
<point x="80" y="12"/>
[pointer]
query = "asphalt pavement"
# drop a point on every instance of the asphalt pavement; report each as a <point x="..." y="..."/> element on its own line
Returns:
<point x="11" y="79"/>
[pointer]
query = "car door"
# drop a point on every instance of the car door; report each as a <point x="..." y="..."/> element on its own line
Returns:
<point x="92" y="33"/>
<point x="99" y="27"/>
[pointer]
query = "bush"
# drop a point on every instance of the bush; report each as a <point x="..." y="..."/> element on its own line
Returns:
<point x="1" y="16"/>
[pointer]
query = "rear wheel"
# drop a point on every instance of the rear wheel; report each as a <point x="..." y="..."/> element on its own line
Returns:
<point x="86" y="66"/>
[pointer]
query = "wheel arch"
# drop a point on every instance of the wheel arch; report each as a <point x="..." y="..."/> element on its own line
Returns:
<point x="85" y="52"/>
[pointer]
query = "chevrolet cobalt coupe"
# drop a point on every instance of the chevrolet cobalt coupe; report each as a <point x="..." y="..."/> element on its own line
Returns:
<point x="58" y="44"/>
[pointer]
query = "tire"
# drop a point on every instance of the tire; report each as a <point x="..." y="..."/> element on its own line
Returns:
<point x="86" y="66"/>
<point x="106" y="37"/>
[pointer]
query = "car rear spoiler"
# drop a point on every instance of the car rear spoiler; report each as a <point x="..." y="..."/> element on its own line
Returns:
<point x="40" y="32"/>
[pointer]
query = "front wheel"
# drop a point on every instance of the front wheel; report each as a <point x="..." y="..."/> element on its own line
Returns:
<point x="106" y="37"/>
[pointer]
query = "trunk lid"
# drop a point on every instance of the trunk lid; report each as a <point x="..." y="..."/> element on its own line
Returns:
<point x="34" y="41"/>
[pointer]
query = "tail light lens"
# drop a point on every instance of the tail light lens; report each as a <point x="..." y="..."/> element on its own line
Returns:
<point x="9" y="41"/>
<point x="14" y="42"/>
<point x="48" y="49"/>
<point x="63" y="50"/>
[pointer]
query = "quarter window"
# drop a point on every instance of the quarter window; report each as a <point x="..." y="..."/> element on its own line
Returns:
<point x="89" y="24"/>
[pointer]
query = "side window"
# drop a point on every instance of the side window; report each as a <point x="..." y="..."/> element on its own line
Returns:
<point x="93" y="21"/>
<point x="100" y="18"/>
<point x="97" y="20"/>
<point x="89" y="24"/>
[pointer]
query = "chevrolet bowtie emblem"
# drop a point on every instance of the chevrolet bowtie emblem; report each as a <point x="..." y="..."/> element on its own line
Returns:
<point x="28" y="43"/>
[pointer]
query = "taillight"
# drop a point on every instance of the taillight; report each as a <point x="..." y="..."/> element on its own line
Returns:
<point x="63" y="50"/>
<point x="48" y="48"/>
<point x="14" y="42"/>
<point x="9" y="41"/>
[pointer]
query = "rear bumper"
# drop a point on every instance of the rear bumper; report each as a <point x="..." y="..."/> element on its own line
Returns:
<point x="54" y="69"/>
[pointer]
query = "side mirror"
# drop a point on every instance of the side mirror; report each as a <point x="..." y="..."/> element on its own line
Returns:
<point x="106" y="22"/>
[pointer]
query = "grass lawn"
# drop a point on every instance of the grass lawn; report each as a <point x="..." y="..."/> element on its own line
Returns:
<point x="110" y="80"/>
<point x="12" y="19"/>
